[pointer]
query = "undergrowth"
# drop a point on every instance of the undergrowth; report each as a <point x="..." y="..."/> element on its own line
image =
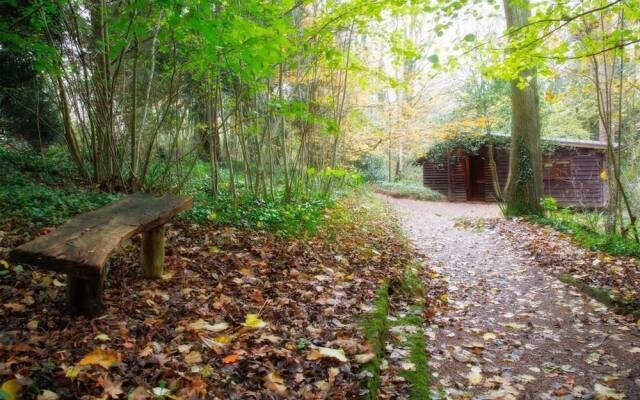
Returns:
<point x="408" y="190"/>
<point x="43" y="190"/>
<point x="613" y="244"/>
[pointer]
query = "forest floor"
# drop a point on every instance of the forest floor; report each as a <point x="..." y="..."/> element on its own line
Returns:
<point x="513" y="330"/>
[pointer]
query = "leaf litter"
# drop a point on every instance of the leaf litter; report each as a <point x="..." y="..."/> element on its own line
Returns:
<point x="237" y="314"/>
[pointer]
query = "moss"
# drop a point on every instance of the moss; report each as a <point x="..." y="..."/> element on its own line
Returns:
<point x="418" y="378"/>
<point x="601" y="295"/>
<point x="374" y="326"/>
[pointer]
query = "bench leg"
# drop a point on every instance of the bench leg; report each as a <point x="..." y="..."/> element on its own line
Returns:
<point x="153" y="252"/>
<point x="84" y="295"/>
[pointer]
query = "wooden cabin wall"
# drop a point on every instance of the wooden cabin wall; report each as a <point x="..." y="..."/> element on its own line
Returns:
<point x="459" y="177"/>
<point x="583" y="187"/>
<point x="434" y="176"/>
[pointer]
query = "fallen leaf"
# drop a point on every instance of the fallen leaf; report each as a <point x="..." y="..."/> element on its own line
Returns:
<point x="364" y="358"/>
<point x="201" y="324"/>
<point x="489" y="336"/>
<point x="606" y="393"/>
<point x="102" y="337"/>
<point x="333" y="373"/>
<point x="274" y="382"/>
<point x="111" y="388"/>
<point x="475" y="376"/>
<point x="104" y="358"/>
<point x="11" y="388"/>
<point x="47" y="395"/>
<point x="230" y="359"/>
<point x="193" y="358"/>
<point x="326" y="352"/>
<point x="160" y="391"/>
<point x="254" y="322"/>
<point x="515" y="326"/>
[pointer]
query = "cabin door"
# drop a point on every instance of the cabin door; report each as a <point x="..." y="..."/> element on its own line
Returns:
<point x="476" y="180"/>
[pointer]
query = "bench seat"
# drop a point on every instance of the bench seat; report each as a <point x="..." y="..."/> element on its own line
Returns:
<point x="81" y="247"/>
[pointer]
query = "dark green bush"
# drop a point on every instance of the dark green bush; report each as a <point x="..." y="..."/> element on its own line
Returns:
<point x="42" y="189"/>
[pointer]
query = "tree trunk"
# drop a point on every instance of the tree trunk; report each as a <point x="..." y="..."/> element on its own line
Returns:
<point x="524" y="184"/>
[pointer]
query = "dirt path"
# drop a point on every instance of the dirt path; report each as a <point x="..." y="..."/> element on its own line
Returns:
<point x="512" y="331"/>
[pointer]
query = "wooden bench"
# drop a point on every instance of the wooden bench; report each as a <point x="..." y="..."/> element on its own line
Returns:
<point x="81" y="247"/>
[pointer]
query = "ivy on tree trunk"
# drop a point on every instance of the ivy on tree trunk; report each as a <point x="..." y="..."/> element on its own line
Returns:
<point x="524" y="186"/>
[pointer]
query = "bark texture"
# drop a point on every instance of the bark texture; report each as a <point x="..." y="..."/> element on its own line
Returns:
<point x="524" y="186"/>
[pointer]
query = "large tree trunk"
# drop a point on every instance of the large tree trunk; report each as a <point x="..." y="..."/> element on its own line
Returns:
<point x="524" y="184"/>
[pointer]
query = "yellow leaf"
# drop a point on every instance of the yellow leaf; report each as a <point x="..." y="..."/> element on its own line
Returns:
<point x="4" y="264"/>
<point x="489" y="336"/>
<point x="253" y="321"/>
<point x="603" y="175"/>
<point x="222" y="339"/>
<point x="11" y="388"/>
<point x="103" y="358"/>
<point x="71" y="372"/>
<point x="475" y="376"/>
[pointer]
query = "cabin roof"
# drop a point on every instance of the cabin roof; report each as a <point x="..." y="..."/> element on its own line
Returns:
<point x="570" y="142"/>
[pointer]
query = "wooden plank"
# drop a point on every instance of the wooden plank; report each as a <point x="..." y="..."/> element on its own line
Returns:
<point x="82" y="246"/>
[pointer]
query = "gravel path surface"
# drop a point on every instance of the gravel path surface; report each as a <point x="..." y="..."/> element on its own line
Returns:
<point x="512" y="331"/>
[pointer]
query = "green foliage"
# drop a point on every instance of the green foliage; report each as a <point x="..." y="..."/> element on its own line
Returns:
<point x="408" y="190"/>
<point x="301" y="216"/>
<point x="549" y="204"/>
<point x="566" y="220"/>
<point x="467" y="141"/>
<point x="43" y="190"/>
<point x="371" y="167"/>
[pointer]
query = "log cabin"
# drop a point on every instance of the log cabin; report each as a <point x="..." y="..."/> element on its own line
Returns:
<point x="574" y="173"/>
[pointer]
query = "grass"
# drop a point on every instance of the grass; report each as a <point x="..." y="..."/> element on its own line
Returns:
<point x="407" y="190"/>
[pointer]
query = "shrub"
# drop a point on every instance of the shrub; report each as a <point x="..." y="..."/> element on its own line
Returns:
<point x="408" y="191"/>
<point x="371" y="167"/>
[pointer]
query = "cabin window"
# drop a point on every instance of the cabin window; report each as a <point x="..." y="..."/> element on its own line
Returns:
<point x="557" y="169"/>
